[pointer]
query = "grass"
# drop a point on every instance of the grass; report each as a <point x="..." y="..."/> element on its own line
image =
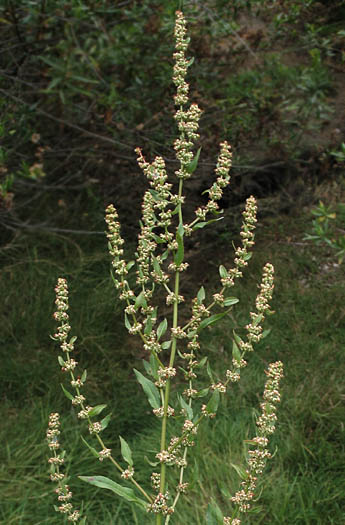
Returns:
<point x="304" y="483"/>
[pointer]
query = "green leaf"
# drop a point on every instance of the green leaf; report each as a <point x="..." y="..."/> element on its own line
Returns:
<point x="140" y="301"/>
<point x="67" y="394"/>
<point x="105" y="421"/>
<point x="223" y="272"/>
<point x="201" y="362"/>
<point x="162" y="328"/>
<point x="96" y="410"/>
<point x="93" y="450"/>
<point x="147" y="367"/>
<point x="236" y="354"/>
<point x="201" y="295"/>
<point x="186" y="407"/>
<point x="240" y="471"/>
<point x="126" y="452"/>
<point x="166" y="345"/>
<point x="106" y="483"/>
<point x="149" y="388"/>
<point x="265" y="333"/>
<point x="180" y="250"/>
<point x="213" y="402"/>
<point x="214" y="515"/>
<point x="148" y="326"/>
<point x="202" y="224"/>
<point x="229" y="301"/>
<point x="237" y="338"/>
<point x="129" y="265"/>
<point x="257" y="320"/>
<point x="154" y="366"/>
<point x="191" y="167"/>
<point x="211" y="320"/>
<point x="202" y="393"/>
<point x="209" y="372"/>
<point x="61" y="361"/>
<point x="127" y="323"/>
<point x="156" y="265"/>
<point x="84" y="376"/>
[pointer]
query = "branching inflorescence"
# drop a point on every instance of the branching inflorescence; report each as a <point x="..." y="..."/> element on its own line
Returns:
<point x="159" y="263"/>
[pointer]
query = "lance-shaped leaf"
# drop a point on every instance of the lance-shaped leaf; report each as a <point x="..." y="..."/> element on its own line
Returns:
<point x="106" y="483"/>
<point x="201" y="295"/>
<point x="212" y="405"/>
<point x="229" y="301"/>
<point x="191" y="167"/>
<point x="166" y="345"/>
<point x="202" y="224"/>
<point x="105" y="421"/>
<point x="96" y="410"/>
<point x="180" y="247"/>
<point x="93" y="450"/>
<point x="127" y="323"/>
<point x="148" y="326"/>
<point x="236" y="354"/>
<point x="162" y="328"/>
<point x="61" y="361"/>
<point x="129" y="265"/>
<point x="186" y="407"/>
<point x="156" y="265"/>
<point x="223" y="272"/>
<point x="214" y="515"/>
<point x="84" y="376"/>
<point x="209" y="372"/>
<point x="67" y="394"/>
<point x="140" y="301"/>
<point x="149" y="388"/>
<point x="126" y="452"/>
<point x="211" y="320"/>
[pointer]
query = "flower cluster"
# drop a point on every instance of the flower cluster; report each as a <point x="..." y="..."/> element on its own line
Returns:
<point x="115" y="242"/>
<point x="223" y="179"/>
<point x="187" y="120"/>
<point x="160" y="505"/>
<point x="263" y="299"/>
<point x="257" y="458"/>
<point x="62" y="490"/>
<point x="241" y="254"/>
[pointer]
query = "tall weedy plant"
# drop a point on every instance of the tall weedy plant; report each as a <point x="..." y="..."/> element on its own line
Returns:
<point x="159" y="263"/>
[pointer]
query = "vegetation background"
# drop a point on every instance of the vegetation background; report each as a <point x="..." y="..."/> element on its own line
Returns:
<point x="82" y="84"/>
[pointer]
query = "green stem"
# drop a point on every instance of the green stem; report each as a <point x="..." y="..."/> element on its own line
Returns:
<point x="171" y="364"/>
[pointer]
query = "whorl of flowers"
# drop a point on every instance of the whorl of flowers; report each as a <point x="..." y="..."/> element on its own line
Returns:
<point x="63" y="493"/>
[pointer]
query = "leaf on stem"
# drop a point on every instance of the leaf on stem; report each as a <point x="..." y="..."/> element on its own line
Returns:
<point x="96" y="410"/>
<point x="162" y="328"/>
<point x="140" y="301"/>
<point x="149" y="388"/>
<point x="105" y="421"/>
<point x="126" y="452"/>
<point x="201" y="295"/>
<point x="223" y="272"/>
<point x="229" y="301"/>
<point x="202" y="224"/>
<point x="236" y="354"/>
<point x="211" y="320"/>
<point x="106" y="483"/>
<point x="212" y="405"/>
<point x="214" y="515"/>
<point x="180" y="249"/>
<point x="191" y="167"/>
<point x="93" y="450"/>
<point x="67" y="394"/>
<point x="186" y="407"/>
